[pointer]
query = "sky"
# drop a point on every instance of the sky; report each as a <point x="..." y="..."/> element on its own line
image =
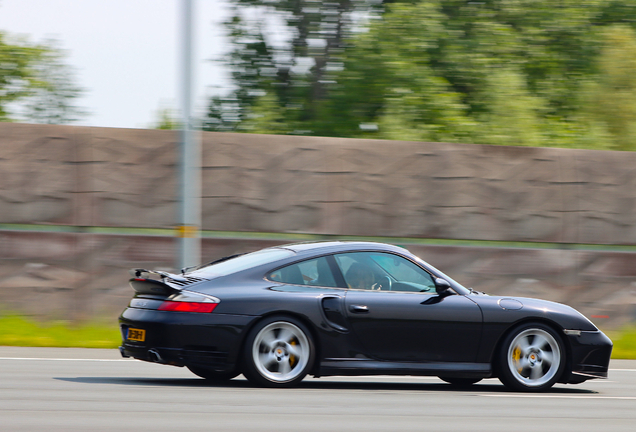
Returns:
<point x="126" y="53"/>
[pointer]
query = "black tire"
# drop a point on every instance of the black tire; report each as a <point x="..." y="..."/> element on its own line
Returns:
<point x="532" y="358"/>
<point x="278" y="352"/>
<point x="212" y="375"/>
<point x="460" y="382"/>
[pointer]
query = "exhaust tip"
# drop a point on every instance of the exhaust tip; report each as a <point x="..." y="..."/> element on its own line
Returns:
<point x="154" y="356"/>
<point x="123" y="352"/>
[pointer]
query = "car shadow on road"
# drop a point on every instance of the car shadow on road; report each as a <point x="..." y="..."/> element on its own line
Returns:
<point x="489" y="386"/>
<point x="485" y="387"/>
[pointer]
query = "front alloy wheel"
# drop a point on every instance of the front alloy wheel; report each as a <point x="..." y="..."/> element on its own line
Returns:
<point x="533" y="358"/>
<point x="279" y="352"/>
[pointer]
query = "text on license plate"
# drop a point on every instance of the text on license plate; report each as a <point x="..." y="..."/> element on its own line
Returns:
<point x="138" y="335"/>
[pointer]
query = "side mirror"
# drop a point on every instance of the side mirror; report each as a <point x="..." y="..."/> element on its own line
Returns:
<point x="442" y="286"/>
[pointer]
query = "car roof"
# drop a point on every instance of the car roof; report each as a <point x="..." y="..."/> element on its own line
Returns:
<point x="336" y="246"/>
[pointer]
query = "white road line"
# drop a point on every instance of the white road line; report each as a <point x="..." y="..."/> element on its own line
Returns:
<point x="397" y="378"/>
<point x="547" y="396"/>
<point x="66" y="359"/>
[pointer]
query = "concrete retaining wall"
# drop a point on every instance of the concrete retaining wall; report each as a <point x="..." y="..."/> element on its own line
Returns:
<point x="126" y="177"/>
<point x="83" y="177"/>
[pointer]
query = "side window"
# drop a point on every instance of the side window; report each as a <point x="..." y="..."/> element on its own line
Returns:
<point x="315" y="272"/>
<point x="384" y="272"/>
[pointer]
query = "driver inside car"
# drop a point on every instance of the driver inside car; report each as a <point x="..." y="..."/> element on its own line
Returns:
<point x="360" y="276"/>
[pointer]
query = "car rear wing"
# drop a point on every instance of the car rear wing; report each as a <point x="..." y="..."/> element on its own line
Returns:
<point x="138" y="273"/>
<point x="143" y="283"/>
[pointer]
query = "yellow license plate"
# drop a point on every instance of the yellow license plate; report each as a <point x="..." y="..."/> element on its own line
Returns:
<point x="138" y="335"/>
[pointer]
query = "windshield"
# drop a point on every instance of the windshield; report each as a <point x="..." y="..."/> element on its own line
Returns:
<point x="242" y="262"/>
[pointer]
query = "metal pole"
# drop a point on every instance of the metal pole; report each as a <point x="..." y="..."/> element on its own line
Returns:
<point x="189" y="226"/>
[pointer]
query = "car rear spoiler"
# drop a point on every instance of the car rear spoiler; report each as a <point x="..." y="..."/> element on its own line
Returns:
<point x="140" y="272"/>
<point x="143" y="284"/>
<point x="169" y="283"/>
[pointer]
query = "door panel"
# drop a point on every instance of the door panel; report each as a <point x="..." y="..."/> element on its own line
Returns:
<point x="415" y="326"/>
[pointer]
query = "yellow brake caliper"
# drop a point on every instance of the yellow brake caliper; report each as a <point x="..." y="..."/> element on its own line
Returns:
<point x="292" y="358"/>
<point x="516" y="356"/>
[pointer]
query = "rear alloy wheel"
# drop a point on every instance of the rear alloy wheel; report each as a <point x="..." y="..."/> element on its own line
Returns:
<point x="460" y="382"/>
<point x="532" y="358"/>
<point x="278" y="352"/>
<point x="212" y="375"/>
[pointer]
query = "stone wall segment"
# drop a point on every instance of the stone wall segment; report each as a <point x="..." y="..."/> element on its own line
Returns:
<point x="83" y="276"/>
<point x="126" y="178"/>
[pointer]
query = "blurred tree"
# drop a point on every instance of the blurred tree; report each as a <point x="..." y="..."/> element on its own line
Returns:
<point x="52" y="97"/>
<point x="266" y="116"/>
<point x="389" y="88"/>
<point x="522" y="72"/>
<point x="613" y="95"/>
<point x="35" y="83"/>
<point x="17" y="76"/>
<point x="166" y="120"/>
<point x="492" y="72"/>
<point x="289" y="51"/>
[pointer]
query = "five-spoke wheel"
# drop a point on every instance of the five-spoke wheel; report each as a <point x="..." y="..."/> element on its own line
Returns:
<point x="278" y="352"/>
<point x="532" y="358"/>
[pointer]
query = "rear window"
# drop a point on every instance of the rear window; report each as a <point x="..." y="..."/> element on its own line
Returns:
<point x="242" y="262"/>
<point x="315" y="272"/>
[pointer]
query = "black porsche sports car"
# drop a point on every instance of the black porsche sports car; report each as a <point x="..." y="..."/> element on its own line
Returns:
<point x="352" y="308"/>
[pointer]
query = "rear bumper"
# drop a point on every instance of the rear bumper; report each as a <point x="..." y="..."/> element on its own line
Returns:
<point x="184" y="339"/>
<point x="590" y="356"/>
<point x="217" y="360"/>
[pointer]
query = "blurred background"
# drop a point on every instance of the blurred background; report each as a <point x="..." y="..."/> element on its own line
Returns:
<point x="493" y="138"/>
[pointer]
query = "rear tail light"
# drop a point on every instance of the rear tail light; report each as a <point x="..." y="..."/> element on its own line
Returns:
<point x="187" y="306"/>
<point x="188" y="302"/>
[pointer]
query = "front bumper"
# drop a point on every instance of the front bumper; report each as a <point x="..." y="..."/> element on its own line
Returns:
<point x="590" y="356"/>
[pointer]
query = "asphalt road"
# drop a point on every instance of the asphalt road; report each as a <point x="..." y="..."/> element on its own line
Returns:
<point x="51" y="389"/>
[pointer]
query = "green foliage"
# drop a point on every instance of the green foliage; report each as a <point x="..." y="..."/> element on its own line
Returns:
<point x="266" y="116"/>
<point x="613" y="95"/>
<point x="287" y="51"/>
<point x="17" y="75"/>
<point x="510" y="72"/>
<point x="389" y="81"/>
<point x="16" y="330"/>
<point x="624" y="343"/>
<point x="507" y="72"/>
<point x="51" y="98"/>
<point x="166" y="120"/>
<point x="35" y="83"/>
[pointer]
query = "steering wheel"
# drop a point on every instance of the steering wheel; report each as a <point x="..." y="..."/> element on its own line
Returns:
<point x="384" y="283"/>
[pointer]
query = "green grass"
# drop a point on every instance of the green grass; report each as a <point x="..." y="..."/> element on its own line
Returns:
<point x="624" y="343"/>
<point x="16" y="330"/>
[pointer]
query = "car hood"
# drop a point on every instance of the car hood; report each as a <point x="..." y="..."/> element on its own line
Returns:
<point x="518" y="308"/>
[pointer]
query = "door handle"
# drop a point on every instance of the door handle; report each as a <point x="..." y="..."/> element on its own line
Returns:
<point x="359" y="309"/>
